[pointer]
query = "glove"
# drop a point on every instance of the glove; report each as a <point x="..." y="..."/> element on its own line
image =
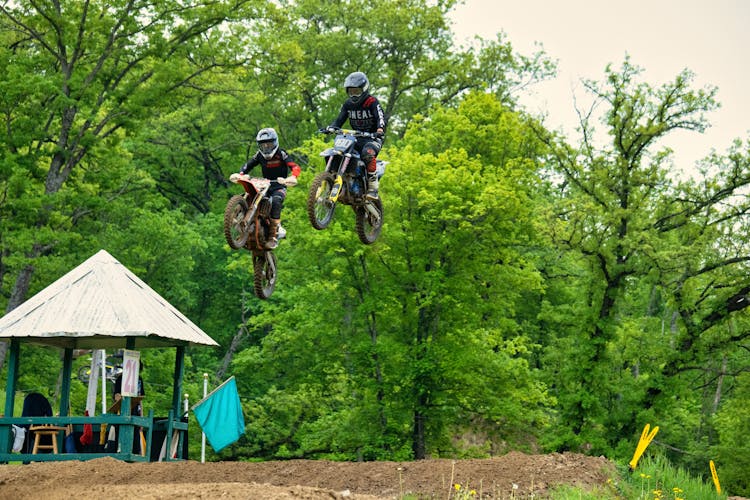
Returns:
<point x="330" y="129"/>
<point x="379" y="135"/>
<point x="287" y="181"/>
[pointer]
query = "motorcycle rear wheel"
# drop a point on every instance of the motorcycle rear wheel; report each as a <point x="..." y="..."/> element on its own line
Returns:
<point x="319" y="208"/>
<point x="264" y="273"/>
<point x="369" y="226"/>
<point x="235" y="232"/>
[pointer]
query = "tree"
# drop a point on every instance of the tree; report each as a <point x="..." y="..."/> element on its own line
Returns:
<point x="382" y="340"/>
<point x="405" y="47"/>
<point x="731" y="450"/>
<point x="206" y="130"/>
<point x="474" y="189"/>
<point x="649" y="247"/>
<point x="86" y="72"/>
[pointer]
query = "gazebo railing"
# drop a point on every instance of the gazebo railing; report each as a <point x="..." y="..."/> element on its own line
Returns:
<point x="124" y="422"/>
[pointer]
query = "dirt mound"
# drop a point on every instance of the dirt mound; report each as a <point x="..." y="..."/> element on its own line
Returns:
<point x="515" y="474"/>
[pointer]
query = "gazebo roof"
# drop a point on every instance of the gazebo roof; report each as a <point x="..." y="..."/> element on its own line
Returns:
<point x="97" y="305"/>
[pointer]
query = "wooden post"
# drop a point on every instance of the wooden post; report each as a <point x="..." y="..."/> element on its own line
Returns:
<point x="126" y="431"/>
<point x="6" y="440"/>
<point x="65" y="389"/>
<point x="179" y="364"/>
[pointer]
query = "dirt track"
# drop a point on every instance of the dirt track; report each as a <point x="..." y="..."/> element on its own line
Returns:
<point x="303" y="479"/>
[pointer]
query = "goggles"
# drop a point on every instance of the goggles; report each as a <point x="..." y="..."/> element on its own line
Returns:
<point x="354" y="91"/>
<point x="266" y="147"/>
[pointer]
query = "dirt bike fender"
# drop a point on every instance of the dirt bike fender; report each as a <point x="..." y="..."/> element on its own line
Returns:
<point x="331" y="152"/>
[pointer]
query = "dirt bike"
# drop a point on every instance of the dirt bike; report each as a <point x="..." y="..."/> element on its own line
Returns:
<point x="247" y="223"/>
<point x="344" y="180"/>
<point x="112" y="370"/>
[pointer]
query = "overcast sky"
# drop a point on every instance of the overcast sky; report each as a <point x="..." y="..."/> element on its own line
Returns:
<point x="711" y="38"/>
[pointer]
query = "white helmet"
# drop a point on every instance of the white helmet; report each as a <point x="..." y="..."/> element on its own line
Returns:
<point x="356" y="85"/>
<point x="268" y="142"/>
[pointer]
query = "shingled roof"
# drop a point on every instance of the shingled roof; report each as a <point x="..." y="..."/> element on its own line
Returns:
<point x="97" y="305"/>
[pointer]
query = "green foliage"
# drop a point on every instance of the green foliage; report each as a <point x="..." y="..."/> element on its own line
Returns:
<point x="642" y="307"/>
<point x="573" y="493"/>
<point x="657" y="478"/>
<point x="407" y="350"/>
<point x="731" y="453"/>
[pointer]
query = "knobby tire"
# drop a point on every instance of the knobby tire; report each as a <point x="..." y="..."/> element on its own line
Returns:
<point x="235" y="232"/>
<point x="264" y="273"/>
<point x="368" y="227"/>
<point x="319" y="209"/>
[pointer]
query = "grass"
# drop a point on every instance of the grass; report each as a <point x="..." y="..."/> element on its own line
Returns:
<point x="654" y="479"/>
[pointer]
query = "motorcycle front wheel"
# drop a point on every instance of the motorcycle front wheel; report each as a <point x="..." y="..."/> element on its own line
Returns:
<point x="235" y="231"/>
<point x="369" y="224"/>
<point x="319" y="207"/>
<point x="84" y="373"/>
<point x="264" y="273"/>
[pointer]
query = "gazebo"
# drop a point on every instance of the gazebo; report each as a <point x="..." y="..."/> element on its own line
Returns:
<point x="98" y="305"/>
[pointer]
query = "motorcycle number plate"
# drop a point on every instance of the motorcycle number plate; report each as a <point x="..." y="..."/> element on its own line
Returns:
<point x="343" y="142"/>
<point x="259" y="183"/>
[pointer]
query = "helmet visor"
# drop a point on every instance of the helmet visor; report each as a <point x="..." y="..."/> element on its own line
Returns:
<point x="354" y="91"/>
<point x="266" y="147"/>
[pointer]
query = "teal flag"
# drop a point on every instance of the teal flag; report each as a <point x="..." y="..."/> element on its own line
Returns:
<point x="220" y="415"/>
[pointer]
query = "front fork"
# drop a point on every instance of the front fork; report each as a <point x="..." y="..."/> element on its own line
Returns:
<point x="339" y="182"/>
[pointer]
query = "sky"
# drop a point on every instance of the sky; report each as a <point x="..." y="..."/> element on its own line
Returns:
<point x="710" y="38"/>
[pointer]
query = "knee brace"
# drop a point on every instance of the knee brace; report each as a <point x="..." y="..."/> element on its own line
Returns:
<point x="277" y="203"/>
<point x="368" y="154"/>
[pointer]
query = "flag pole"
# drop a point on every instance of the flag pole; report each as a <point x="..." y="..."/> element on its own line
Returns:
<point x="203" y="434"/>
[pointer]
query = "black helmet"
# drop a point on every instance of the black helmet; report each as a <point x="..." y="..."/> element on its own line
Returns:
<point x="356" y="85"/>
<point x="268" y="142"/>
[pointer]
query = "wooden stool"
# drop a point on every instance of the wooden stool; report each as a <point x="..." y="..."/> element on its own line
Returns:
<point x="45" y="430"/>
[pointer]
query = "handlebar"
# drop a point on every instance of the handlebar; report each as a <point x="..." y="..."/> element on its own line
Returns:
<point x="239" y="178"/>
<point x="355" y="133"/>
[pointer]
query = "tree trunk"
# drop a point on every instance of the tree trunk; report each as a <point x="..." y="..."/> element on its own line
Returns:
<point x="20" y="288"/>
<point x="378" y="374"/>
<point x="235" y="343"/>
<point x="418" y="445"/>
<point x="719" y="383"/>
<point x="230" y="352"/>
<point x="422" y="381"/>
<point x="17" y="297"/>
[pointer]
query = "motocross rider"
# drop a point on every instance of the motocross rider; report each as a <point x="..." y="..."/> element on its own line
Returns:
<point x="277" y="166"/>
<point x="365" y="115"/>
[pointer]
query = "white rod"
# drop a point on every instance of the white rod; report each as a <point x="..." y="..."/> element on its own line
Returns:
<point x="104" y="380"/>
<point x="203" y="434"/>
<point x="93" y="383"/>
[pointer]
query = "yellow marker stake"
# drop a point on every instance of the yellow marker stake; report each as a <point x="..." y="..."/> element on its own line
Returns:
<point x="715" y="476"/>
<point x="643" y="443"/>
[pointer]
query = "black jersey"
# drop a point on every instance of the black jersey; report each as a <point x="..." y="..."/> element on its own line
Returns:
<point x="279" y="165"/>
<point x="366" y="115"/>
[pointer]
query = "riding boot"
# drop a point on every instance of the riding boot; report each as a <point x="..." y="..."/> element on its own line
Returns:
<point x="272" y="242"/>
<point x="372" y="185"/>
